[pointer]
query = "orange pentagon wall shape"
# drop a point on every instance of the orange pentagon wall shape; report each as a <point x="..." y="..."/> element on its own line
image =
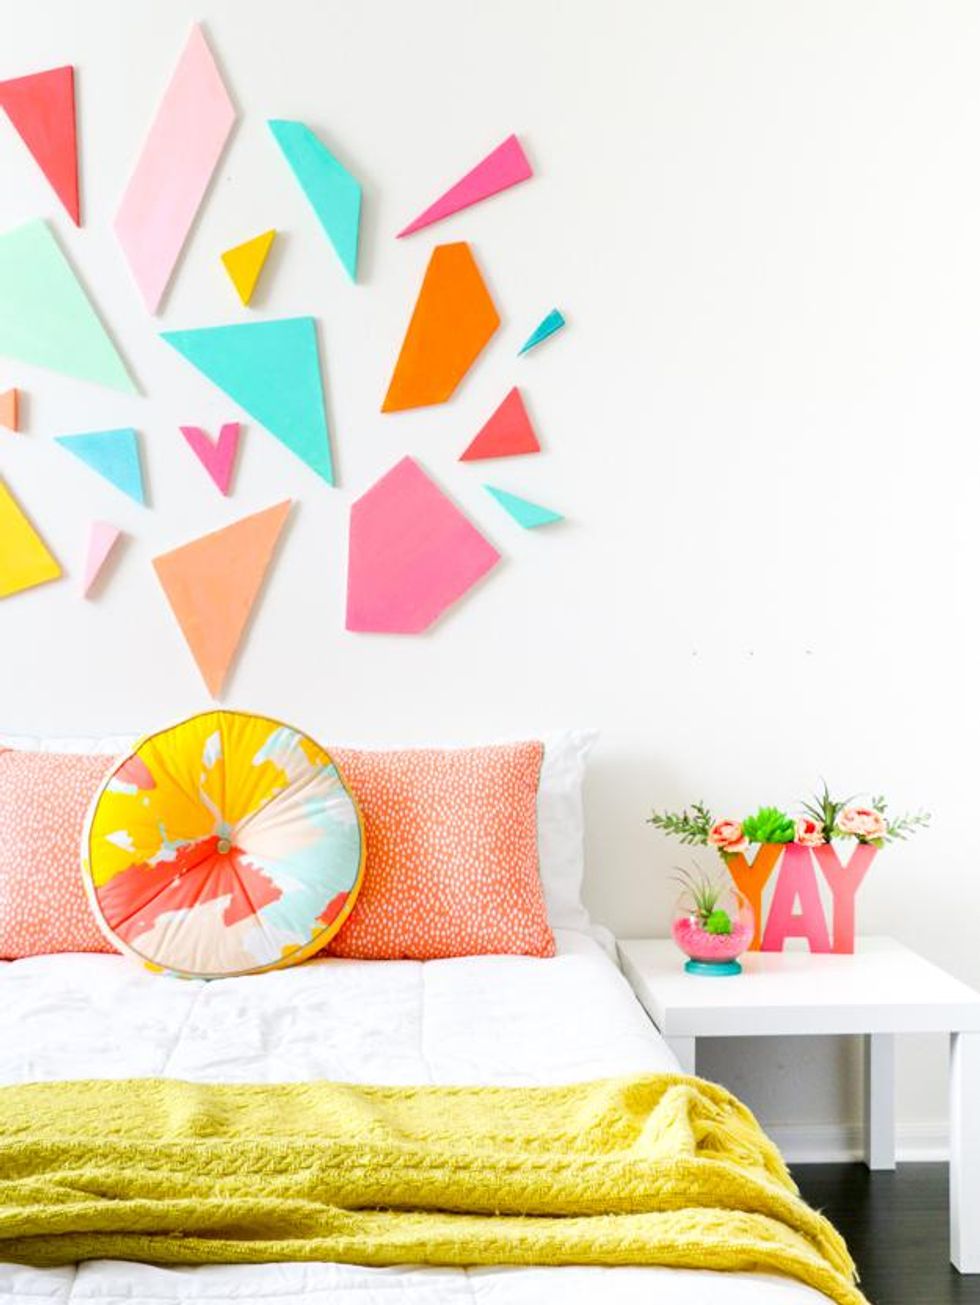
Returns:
<point x="212" y="584"/>
<point x="453" y="320"/>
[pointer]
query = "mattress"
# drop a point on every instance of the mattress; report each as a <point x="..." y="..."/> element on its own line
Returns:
<point x="494" y="1020"/>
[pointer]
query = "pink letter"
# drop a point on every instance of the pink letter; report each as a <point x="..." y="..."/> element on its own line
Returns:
<point x="797" y="878"/>
<point x="844" y="881"/>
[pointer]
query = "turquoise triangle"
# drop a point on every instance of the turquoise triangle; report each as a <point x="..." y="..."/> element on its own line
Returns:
<point x="547" y="326"/>
<point x="334" y="194"/>
<point x="523" y="511"/>
<point x="114" y="454"/>
<point x="272" y="370"/>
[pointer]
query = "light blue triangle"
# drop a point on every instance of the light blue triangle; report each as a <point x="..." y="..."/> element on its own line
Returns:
<point x="334" y="194"/>
<point x="272" y="370"/>
<point x="114" y="454"/>
<point x="523" y="511"/>
<point x="547" y="326"/>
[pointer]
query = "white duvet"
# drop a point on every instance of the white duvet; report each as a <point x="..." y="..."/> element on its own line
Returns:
<point x="488" y="1020"/>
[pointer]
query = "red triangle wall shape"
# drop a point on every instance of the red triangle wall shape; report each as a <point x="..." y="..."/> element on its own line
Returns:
<point x="42" y="108"/>
<point x="506" y="433"/>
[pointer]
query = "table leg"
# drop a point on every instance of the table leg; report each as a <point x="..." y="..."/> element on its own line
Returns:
<point x="683" y="1049"/>
<point x="964" y="1152"/>
<point x="879" y="1100"/>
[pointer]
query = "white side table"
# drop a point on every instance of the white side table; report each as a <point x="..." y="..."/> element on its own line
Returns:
<point x="883" y="989"/>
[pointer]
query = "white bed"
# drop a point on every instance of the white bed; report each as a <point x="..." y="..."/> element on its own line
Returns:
<point x="483" y="1020"/>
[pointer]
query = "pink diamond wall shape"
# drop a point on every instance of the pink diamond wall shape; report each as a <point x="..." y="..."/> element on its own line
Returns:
<point x="412" y="554"/>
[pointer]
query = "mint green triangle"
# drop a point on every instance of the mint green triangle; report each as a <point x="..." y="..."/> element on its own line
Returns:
<point x="46" y="318"/>
<point x="114" y="454"/>
<point x="333" y="193"/>
<point x="523" y="511"/>
<point x="272" y="370"/>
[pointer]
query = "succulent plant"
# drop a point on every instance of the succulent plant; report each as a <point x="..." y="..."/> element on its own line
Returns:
<point x="769" y="825"/>
<point x="718" y="921"/>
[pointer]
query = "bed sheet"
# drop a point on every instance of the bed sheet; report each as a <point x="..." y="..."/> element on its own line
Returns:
<point x="494" y="1020"/>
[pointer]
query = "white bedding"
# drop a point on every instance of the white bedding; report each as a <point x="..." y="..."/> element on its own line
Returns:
<point x="489" y="1020"/>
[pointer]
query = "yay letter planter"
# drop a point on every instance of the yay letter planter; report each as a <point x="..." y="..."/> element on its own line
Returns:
<point x="796" y="876"/>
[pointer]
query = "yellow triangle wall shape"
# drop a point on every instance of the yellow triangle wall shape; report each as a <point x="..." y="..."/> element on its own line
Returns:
<point x="244" y="262"/>
<point x="25" y="559"/>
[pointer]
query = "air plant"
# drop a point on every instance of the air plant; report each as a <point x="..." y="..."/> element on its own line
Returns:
<point x="704" y="893"/>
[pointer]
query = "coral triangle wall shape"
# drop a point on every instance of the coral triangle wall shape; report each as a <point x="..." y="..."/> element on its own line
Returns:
<point x="212" y="585"/>
<point x="506" y="433"/>
<point x="453" y="321"/>
<point x="42" y="108"/>
<point x="334" y="194"/>
<point x="412" y="554"/>
<point x="272" y="370"/>
<point x="174" y="169"/>
<point x="46" y="318"/>
<point x="10" y="409"/>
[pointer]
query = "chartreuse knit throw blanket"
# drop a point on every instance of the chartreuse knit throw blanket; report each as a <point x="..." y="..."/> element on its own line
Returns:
<point x="654" y="1170"/>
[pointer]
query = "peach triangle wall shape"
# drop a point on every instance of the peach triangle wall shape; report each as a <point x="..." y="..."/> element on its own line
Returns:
<point x="506" y="433"/>
<point x="213" y="583"/>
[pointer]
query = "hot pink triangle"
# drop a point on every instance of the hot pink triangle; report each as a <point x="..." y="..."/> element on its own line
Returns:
<point x="217" y="457"/>
<point x="503" y="167"/>
<point x="102" y="538"/>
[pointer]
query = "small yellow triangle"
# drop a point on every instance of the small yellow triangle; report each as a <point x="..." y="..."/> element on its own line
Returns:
<point x="25" y="559"/>
<point x="244" y="262"/>
<point x="8" y="409"/>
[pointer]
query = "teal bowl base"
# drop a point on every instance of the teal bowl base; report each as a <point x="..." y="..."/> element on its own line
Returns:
<point x="713" y="968"/>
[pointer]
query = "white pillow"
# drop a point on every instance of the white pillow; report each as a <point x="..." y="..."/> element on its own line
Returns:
<point x="561" y="818"/>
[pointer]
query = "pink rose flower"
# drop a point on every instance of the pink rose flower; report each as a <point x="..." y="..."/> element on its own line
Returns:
<point x="863" y="822"/>
<point x="727" y="836"/>
<point x="808" y="832"/>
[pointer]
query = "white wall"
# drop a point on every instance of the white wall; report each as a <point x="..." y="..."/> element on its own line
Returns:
<point x="763" y="222"/>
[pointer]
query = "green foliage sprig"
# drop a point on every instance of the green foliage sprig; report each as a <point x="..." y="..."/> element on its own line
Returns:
<point x="904" y="826"/>
<point x="689" y="826"/>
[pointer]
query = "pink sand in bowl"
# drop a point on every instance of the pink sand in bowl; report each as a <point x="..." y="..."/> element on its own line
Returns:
<point x="700" y="945"/>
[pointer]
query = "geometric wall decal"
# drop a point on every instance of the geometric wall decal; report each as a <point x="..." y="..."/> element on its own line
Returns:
<point x="547" y="326"/>
<point x="272" y="370"/>
<point x="42" y="108"/>
<point x="46" y="318"/>
<point x="102" y="538"/>
<point x="172" y="173"/>
<point x="506" y="432"/>
<point x="25" y="559"/>
<point x="114" y="454"/>
<point x="505" y="166"/>
<point x="212" y="584"/>
<point x="412" y="553"/>
<point x="218" y="456"/>
<point x="244" y="262"/>
<point x="334" y="195"/>
<point x="523" y="511"/>
<point x="9" y="407"/>
<point x="454" y="318"/>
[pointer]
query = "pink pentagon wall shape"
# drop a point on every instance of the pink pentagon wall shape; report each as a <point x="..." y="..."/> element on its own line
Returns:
<point x="412" y="554"/>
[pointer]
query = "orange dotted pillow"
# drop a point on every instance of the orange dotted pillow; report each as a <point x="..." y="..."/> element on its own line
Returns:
<point x="452" y="853"/>
<point x="44" y="798"/>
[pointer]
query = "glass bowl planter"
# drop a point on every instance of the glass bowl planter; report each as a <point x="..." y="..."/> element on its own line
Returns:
<point x="713" y="925"/>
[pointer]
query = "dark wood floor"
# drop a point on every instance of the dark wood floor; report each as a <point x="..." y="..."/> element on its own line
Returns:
<point x="897" y="1227"/>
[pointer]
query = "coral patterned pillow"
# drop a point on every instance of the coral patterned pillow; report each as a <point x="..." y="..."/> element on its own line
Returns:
<point x="44" y="797"/>
<point x="452" y="854"/>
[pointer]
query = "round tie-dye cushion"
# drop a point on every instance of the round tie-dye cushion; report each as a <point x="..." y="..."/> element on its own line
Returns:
<point x="228" y="844"/>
